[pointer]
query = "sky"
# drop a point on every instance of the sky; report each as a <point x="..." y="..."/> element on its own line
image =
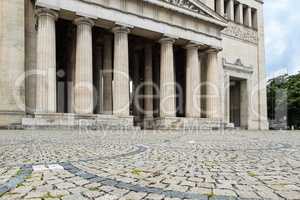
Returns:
<point x="282" y="35"/>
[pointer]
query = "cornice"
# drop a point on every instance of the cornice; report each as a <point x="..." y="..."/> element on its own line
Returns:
<point x="238" y="66"/>
<point x="260" y="1"/>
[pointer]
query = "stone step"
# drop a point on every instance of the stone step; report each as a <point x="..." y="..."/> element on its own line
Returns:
<point x="183" y="123"/>
<point x="73" y="121"/>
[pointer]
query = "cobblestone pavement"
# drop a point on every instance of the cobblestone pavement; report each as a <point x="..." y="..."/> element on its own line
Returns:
<point x="149" y="165"/>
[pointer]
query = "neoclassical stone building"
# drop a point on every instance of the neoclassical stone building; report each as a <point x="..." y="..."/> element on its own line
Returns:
<point x="129" y="63"/>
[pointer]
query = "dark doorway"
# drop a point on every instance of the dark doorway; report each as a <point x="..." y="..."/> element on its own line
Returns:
<point x="235" y="102"/>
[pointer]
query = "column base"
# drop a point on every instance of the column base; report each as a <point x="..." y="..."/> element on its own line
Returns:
<point x="264" y="125"/>
<point x="182" y="123"/>
<point x="72" y="121"/>
<point x="148" y="123"/>
<point x="230" y="126"/>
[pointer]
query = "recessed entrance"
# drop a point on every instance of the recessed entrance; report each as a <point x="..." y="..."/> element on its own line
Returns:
<point x="238" y="102"/>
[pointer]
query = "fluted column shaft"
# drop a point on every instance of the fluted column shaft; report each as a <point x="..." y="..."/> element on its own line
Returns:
<point x="107" y="76"/>
<point x="248" y="17"/>
<point x="213" y="93"/>
<point x="84" y="67"/>
<point x="121" y="72"/>
<point x="148" y="102"/>
<point x="98" y="96"/>
<point x="220" y="7"/>
<point x="193" y="89"/>
<point x="46" y="62"/>
<point x="230" y="10"/>
<point x="240" y="14"/>
<point x="167" y="79"/>
<point x="254" y="19"/>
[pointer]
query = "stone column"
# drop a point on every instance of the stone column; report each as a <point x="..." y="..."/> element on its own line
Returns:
<point x="213" y="93"/>
<point x="121" y="72"/>
<point x="239" y="18"/>
<point x="148" y="102"/>
<point x="248" y="17"/>
<point x="244" y="105"/>
<point x="167" y="79"/>
<point x="254" y="19"/>
<point x="84" y="67"/>
<point x="193" y="90"/>
<point x="107" y="76"/>
<point x="220" y="7"/>
<point x="46" y="61"/>
<point x="137" y="105"/>
<point x="230" y="10"/>
<point x="227" y="98"/>
<point x="98" y="57"/>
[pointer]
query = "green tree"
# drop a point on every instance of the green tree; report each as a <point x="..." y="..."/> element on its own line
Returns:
<point x="291" y="85"/>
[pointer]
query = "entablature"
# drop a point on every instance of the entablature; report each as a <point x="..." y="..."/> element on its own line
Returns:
<point x="164" y="17"/>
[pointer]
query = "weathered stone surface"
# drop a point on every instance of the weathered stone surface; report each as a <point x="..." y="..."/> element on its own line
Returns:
<point x="12" y="60"/>
<point x="76" y="121"/>
<point x="152" y="165"/>
<point x="185" y="123"/>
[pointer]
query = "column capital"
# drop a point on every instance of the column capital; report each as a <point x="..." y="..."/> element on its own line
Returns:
<point x="166" y="39"/>
<point x="214" y="50"/>
<point x="84" y="20"/>
<point x="193" y="45"/>
<point x="47" y="12"/>
<point x="121" y="29"/>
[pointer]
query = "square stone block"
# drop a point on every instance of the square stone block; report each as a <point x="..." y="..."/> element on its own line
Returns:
<point x="181" y="123"/>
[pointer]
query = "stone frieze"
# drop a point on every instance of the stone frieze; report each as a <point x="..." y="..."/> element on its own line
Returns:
<point x="241" y="32"/>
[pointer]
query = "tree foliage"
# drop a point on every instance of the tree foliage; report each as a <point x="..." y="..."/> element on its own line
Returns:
<point x="284" y="93"/>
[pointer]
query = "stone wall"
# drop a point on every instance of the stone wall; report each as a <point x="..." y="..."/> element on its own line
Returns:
<point x="12" y="50"/>
<point x="247" y="46"/>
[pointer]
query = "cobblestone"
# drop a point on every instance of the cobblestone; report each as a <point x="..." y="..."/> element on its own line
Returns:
<point x="149" y="165"/>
